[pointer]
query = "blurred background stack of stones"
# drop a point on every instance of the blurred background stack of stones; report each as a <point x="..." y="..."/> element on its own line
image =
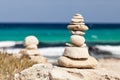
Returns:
<point x="31" y="50"/>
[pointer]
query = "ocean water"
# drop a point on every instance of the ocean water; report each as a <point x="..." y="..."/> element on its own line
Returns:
<point x="104" y="38"/>
<point x="57" y="33"/>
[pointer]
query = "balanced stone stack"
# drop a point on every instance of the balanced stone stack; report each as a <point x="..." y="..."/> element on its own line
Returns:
<point x="31" y="50"/>
<point x="76" y="53"/>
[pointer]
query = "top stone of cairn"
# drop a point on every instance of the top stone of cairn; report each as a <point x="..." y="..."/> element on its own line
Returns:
<point x="31" y="40"/>
<point x="77" y="16"/>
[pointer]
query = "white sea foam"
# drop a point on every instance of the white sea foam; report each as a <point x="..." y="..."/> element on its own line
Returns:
<point x="94" y="36"/>
<point x="58" y="51"/>
<point x="113" y="49"/>
<point x="50" y="51"/>
<point x="7" y="44"/>
<point x="54" y="51"/>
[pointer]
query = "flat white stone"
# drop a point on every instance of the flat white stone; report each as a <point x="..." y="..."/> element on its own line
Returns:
<point x="72" y="45"/>
<point x="77" y="33"/>
<point x="77" y="20"/>
<point x="77" y="27"/>
<point x="77" y="16"/>
<point x="89" y="63"/>
<point x="76" y="52"/>
<point x="77" y="23"/>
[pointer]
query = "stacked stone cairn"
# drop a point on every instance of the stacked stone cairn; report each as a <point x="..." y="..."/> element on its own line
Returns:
<point x="76" y="53"/>
<point x="31" y="50"/>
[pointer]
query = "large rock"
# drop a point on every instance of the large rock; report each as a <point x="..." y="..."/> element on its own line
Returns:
<point x="76" y="52"/>
<point x="36" y="72"/>
<point x="71" y="63"/>
<point x="77" y="40"/>
<point x="94" y="74"/>
<point x="47" y="72"/>
<point x="60" y="74"/>
<point x="77" y="27"/>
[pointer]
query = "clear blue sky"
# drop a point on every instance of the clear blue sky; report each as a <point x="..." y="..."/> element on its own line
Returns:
<point x="59" y="10"/>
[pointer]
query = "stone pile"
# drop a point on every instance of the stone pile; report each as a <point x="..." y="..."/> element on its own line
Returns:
<point x="76" y="53"/>
<point x="31" y="50"/>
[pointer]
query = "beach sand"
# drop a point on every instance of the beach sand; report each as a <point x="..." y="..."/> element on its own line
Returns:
<point x="112" y="64"/>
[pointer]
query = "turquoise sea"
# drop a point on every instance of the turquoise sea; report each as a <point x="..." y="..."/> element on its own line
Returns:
<point x="101" y="39"/>
<point x="58" y="33"/>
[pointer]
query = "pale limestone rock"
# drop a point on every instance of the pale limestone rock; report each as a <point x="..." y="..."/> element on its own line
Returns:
<point x="73" y="23"/>
<point x="37" y="71"/>
<point x="77" y="16"/>
<point x="77" y="40"/>
<point x="30" y="40"/>
<point x="77" y="20"/>
<point x="33" y="55"/>
<point x="30" y="44"/>
<point x="31" y="47"/>
<point x="39" y="59"/>
<point x="77" y="27"/>
<point x="71" y="45"/>
<point x="84" y="45"/>
<point x="76" y="52"/>
<point x="94" y="74"/>
<point x="48" y="72"/>
<point x="30" y="52"/>
<point x="59" y="74"/>
<point x="67" y="62"/>
<point x="77" y="33"/>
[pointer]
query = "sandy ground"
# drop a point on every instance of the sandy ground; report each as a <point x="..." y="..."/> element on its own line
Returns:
<point x="110" y="64"/>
